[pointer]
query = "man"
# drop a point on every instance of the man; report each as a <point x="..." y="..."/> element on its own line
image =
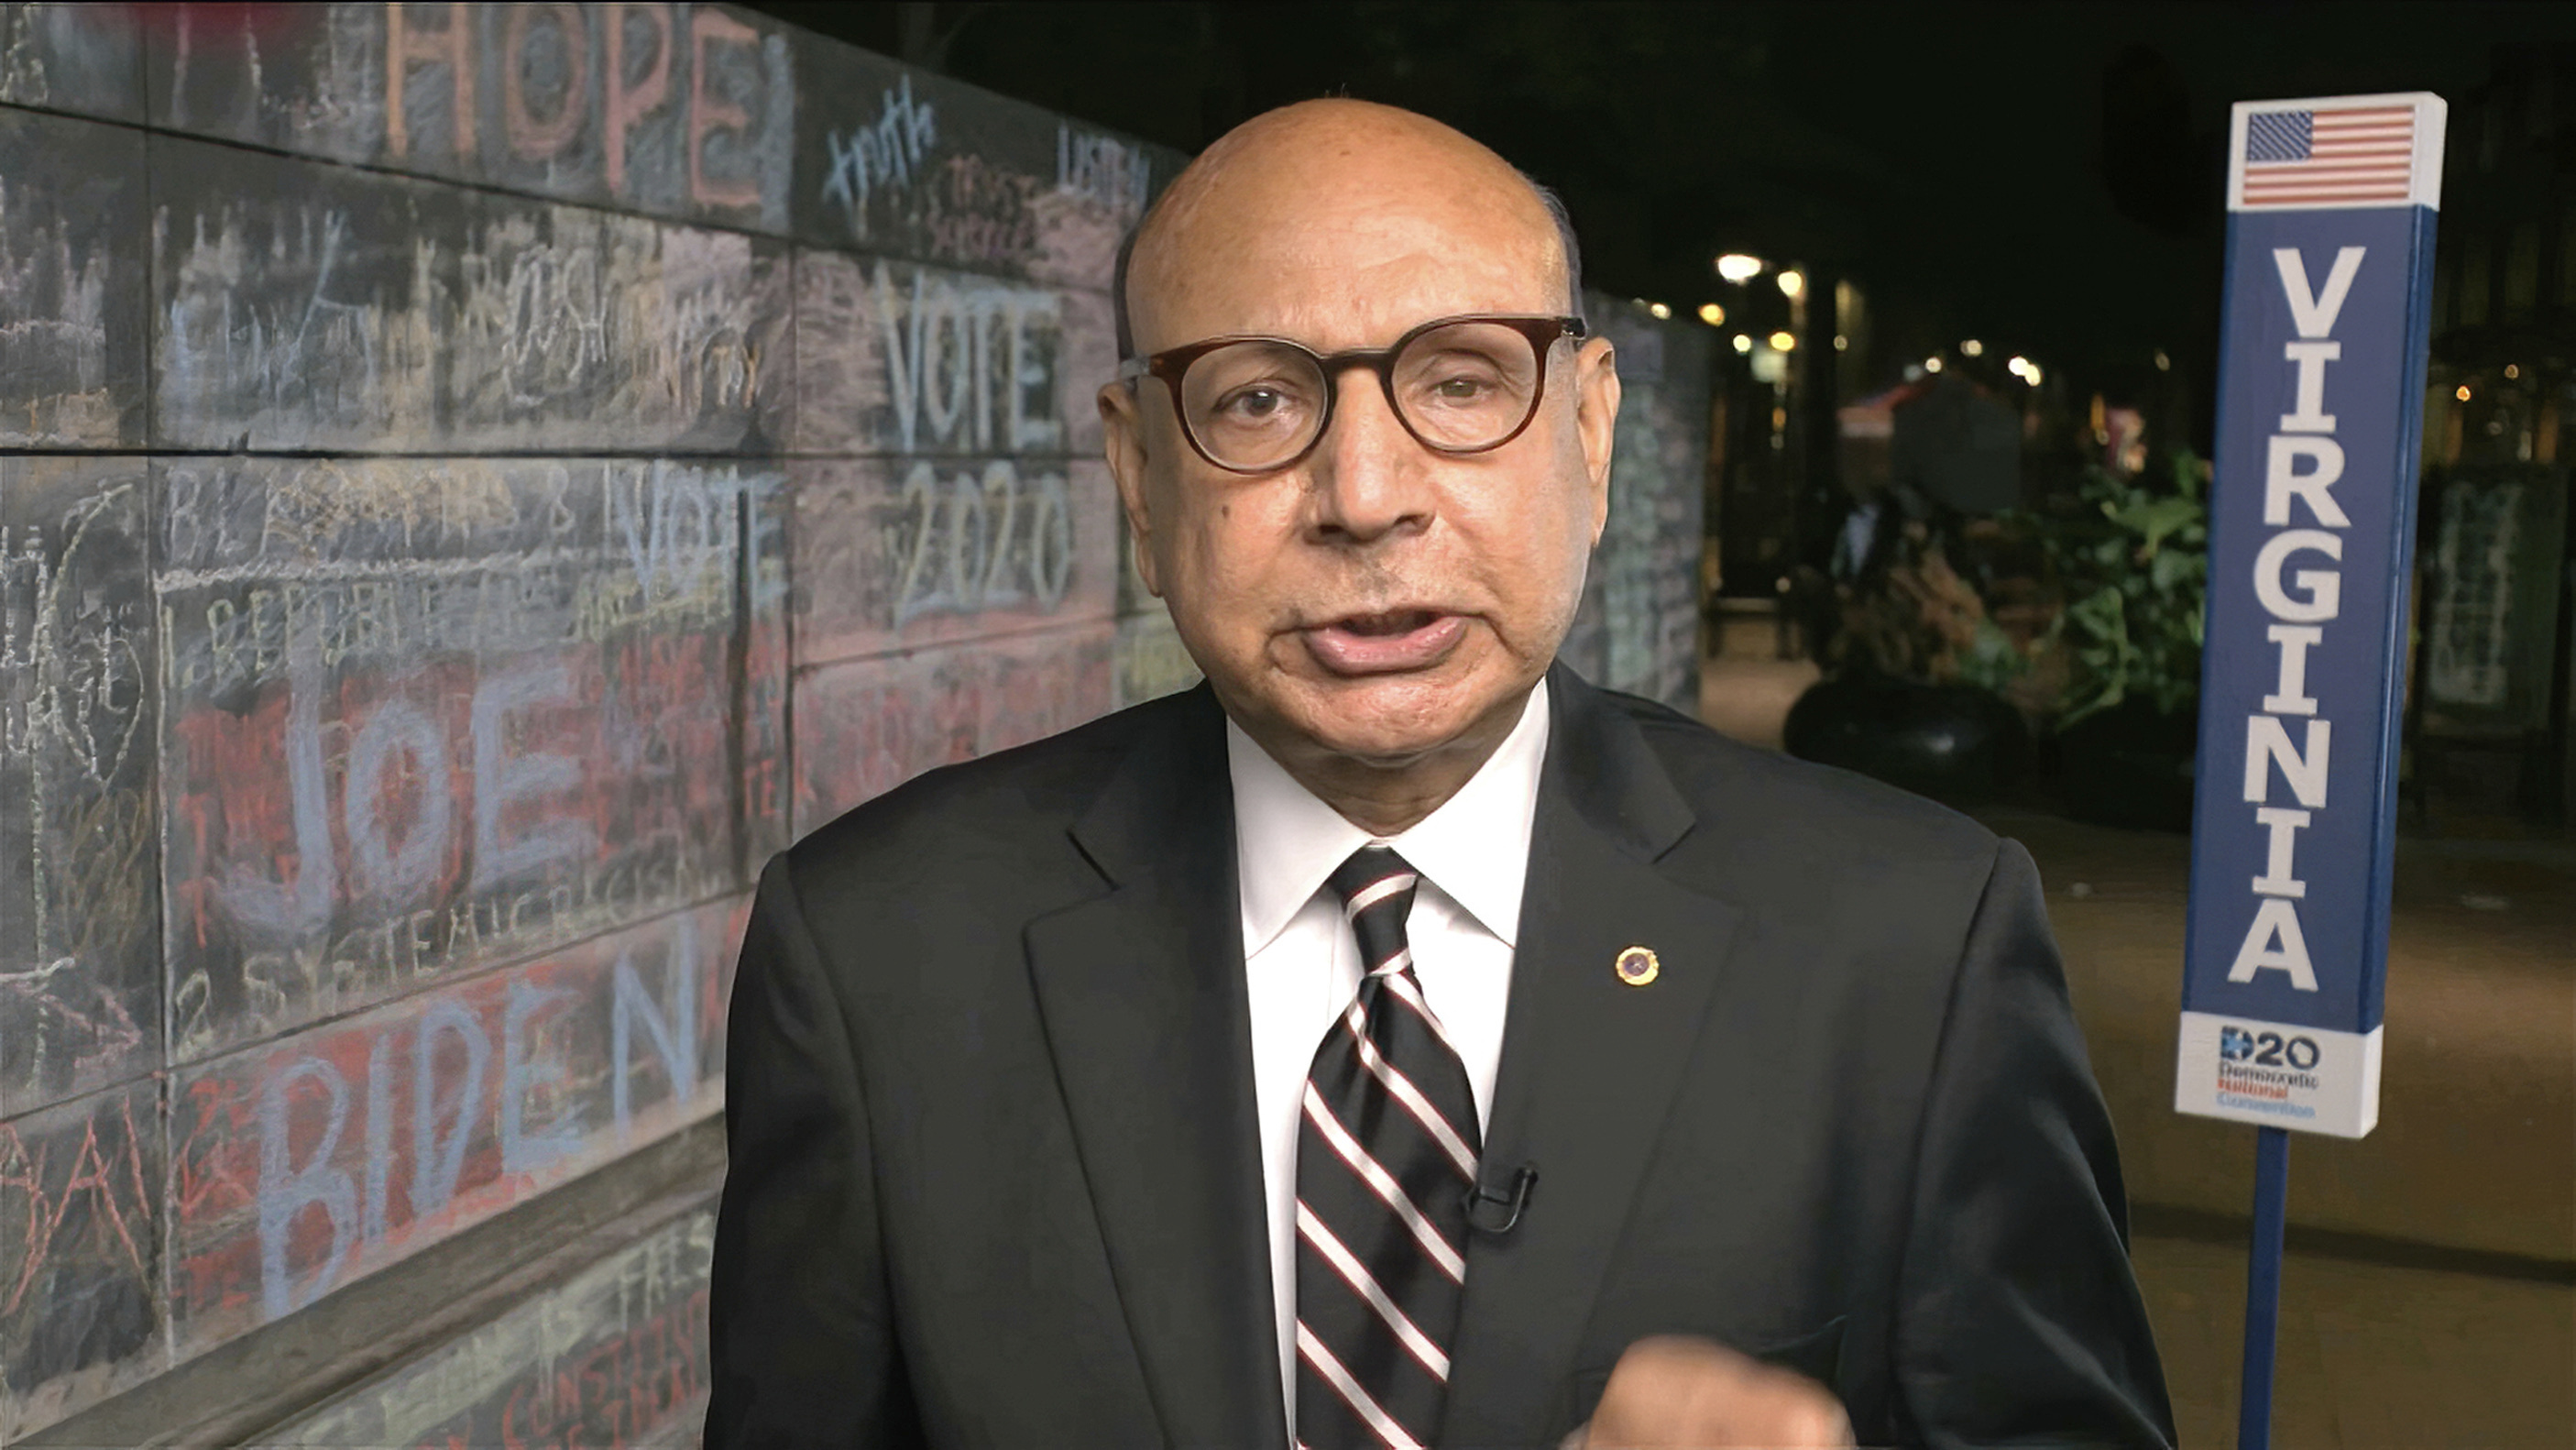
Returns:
<point x="1397" y="1041"/>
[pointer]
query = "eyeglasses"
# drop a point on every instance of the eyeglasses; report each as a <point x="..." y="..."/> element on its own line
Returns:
<point x="1457" y="384"/>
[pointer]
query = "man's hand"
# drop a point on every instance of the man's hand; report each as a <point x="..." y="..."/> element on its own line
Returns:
<point x="1670" y="1391"/>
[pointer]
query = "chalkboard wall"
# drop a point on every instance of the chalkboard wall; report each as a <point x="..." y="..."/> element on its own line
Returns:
<point x="475" y="481"/>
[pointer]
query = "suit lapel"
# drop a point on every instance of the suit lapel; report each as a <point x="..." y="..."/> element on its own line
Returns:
<point x="1142" y="991"/>
<point x="1590" y="1063"/>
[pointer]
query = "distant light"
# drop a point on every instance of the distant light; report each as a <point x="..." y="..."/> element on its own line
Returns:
<point x="1712" y="314"/>
<point x="1972" y="348"/>
<point x="1913" y="372"/>
<point x="1743" y="343"/>
<point x="1932" y="364"/>
<point x="1783" y="342"/>
<point x="1658" y="311"/>
<point x="1841" y="343"/>
<point x="1739" y="268"/>
<point x="2030" y="375"/>
<point x="2016" y="364"/>
<point x="1792" y="283"/>
<point x="2512" y="370"/>
<point x="2163" y="363"/>
<point x="2463" y="393"/>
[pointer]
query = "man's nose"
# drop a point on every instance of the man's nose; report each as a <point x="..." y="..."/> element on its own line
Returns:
<point x="1367" y="477"/>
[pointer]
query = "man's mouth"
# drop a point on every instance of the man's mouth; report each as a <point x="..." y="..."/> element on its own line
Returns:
<point x="1385" y="641"/>
<point x="1392" y="622"/>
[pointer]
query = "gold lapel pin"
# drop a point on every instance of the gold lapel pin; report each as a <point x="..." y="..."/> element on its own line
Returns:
<point x="1637" y="966"/>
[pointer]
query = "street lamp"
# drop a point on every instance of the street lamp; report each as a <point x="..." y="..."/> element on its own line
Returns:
<point x="1792" y="283"/>
<point x="1738" y="268"/>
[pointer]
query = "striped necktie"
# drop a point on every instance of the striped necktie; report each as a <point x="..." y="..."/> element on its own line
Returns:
<point x="1386" y="1151"/>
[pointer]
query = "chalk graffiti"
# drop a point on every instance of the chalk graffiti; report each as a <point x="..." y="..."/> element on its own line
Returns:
<point x="69" y="58"/>
<point x="382" y="763"/>
<point x="424" y="718"/>
<point x="76" y="714"/>
<point x="1104" y="169"/>
<point x="615" y="1356"/>
<point x="880" y="154"/>
<point x="71" y="210"/>
<point x="965" y="553"/>
<point x="1637" y="628"/>
<point x="969" y="365"/>
<point x="79" y="1241"/>
<point x="340" y="314"/>
<point x="865" y="727"/>
<point x="53" y="326"/>
<point x="685" y="110"/>
<point x="895" y="554"/>
<point x="309" y="1162"/>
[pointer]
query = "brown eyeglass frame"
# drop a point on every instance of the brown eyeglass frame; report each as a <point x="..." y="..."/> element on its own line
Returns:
<point x="1172" y="365"/>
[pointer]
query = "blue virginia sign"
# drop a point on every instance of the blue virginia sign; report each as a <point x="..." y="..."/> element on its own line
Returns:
<point x="2312" y="519"/>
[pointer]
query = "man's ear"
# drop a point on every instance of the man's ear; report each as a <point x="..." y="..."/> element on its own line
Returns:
<point x="1122" y="432"/>
<point x="1596" y="420"/>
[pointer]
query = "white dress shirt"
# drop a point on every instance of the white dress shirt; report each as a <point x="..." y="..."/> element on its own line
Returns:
<point x="1302" y="962"/>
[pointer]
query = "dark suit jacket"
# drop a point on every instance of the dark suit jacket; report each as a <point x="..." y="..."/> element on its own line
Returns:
<point x="995" y="1178"/>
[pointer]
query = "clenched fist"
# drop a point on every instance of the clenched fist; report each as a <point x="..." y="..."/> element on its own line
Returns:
<point x="1669" y="1392"/>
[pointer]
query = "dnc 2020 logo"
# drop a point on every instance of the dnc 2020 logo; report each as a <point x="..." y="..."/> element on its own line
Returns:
<point x="2266" y="1049"/>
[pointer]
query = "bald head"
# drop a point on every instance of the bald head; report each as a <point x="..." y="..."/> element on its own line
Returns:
<point x="1335" y="164"/>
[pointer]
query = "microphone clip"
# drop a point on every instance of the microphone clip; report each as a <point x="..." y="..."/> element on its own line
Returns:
<point x="1498" y="1213"/>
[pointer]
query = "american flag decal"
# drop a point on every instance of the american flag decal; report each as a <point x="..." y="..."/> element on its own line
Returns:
<point x="2301" y="155"/>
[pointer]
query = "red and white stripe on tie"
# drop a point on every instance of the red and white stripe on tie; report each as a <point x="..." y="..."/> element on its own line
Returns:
<point x="1387" y="1149"/>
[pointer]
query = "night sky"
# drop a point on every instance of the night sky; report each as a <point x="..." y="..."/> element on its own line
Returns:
<point x="2044" y="177"/>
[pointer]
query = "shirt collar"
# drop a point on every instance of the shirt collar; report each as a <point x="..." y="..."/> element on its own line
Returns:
<point x="1474" y="848"/>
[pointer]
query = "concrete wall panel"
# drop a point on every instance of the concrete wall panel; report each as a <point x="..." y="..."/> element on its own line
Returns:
<point x="616" y="1355"/>
<point x="865" y="727"/>
<point x="82" y="1313"/>
<point x="431" y="714"/>
<point x="900" y="359"/>
<point x="72" y="294"/>
<point x="307" y="1160"/>
<point x="80" y="975"/>
<point x="84" y="59"/>
<point x="299" y="306"/>
<point x="892" y="554"/>
<point x="679" y="111"/>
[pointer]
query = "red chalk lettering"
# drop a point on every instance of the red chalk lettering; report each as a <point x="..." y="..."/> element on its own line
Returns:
<point x="709" y="112"/>
<point x="405" y="47"/>
<point x="532" y="136"/>
<point x="622" y="106"/>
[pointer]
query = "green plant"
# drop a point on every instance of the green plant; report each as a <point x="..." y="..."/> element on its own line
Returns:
<point x="2134" y="583"/>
